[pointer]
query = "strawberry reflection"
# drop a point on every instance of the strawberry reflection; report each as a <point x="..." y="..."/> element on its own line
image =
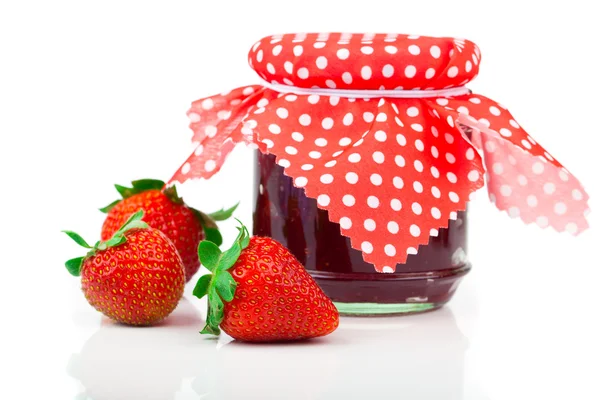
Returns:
<point x="121" y="362"/>
<point x="412" y="357"/>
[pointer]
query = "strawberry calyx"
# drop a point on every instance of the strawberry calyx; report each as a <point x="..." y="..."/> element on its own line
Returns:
<point x="134" y="222"/>
<point x="140" y="186"/>
<point x="219" y="285"/>
<point x="209" y="224"/>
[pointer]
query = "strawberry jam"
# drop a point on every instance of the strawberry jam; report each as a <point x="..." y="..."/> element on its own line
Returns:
<point x="426" y="281"/>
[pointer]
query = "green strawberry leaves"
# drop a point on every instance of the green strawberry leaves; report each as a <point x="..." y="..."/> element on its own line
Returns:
<point x="223" y="214"/>
<point x="134" y="222"/>
<point x="211" y="230"/>
<point x="139" y="186"/>
<point x="219" y="285"/>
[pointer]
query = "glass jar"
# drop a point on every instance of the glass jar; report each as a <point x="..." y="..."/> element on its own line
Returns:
<point x="425" y="282"/>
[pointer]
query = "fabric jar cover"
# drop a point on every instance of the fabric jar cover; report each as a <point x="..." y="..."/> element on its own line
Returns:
<point x="372" y="127"/>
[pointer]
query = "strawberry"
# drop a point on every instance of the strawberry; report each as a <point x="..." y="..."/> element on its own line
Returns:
<point x="166" y="211"/>
<point x="136" y="277"/>
<point x="259" y="292"/>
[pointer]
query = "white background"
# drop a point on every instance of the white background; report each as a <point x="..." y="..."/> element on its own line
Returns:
<point x="95" y="93"/>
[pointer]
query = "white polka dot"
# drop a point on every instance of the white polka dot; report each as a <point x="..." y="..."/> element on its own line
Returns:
<point x="526" y="144"/>
<point x="354" y="157"/>
<point x="542" y="221"/>
<point x="563" y="175"/>
<point x="314" y="98"/>
<point x="387" y="70"/>
<point x="450" y="158"/>
<point x="366" y="50"/>
<point x="330" y="84"/>
<point x="435" y="51"/>
<point x="210" y="131"/>
<point x="393" y="227"/>
<point x="473" y="175"/>
<point x="434" y="152"/>
<point x="307" y="167"/>
<point x="194" y="117"/>
<point x="401" y="139"/>
<point x="365" y="72"/>
<point x="275" y="129"/>
<point x="269" y="143"/>
<point x="345" y="141"/>
<point x="470" y="154"/>
<point x="304" y="120"/>
<point x="434" y="131"/>
<point x="512" y="160"/>
<point x="450" y="120"/>
<point x="468" y="66"/>
<point x="210" y="165"/>
<point x="298" y="49"/>
<point x="351" y="177"/>
<point x="419" y="145"/>
<point x="537" y="168"/>
<point x="571" y="227"/>
<point x="412" y="111"/>
<point x="514" y="212"/>
<point x="398" y="182"/>
<point x="418" y="166"/>
<point x="475" y="100"/>
<point x="327" y="123"/>
<point x="381" y="117"/>
<point x="289" y="97"/>
<point x="417" y="127"/>
<point x="270" y="68"/>
<point x="549" y="187"/>
<point x="282" y="113"/>
<point x="326" y="178"/>
<point x="366" y="247"/>
<point x="577" y="195"/>
<point x="490" y="146"/>
<point x="498" y="168"/>
<point x="410" y="71"/>
<point x="387" y="270"/>
<point x="453" y="215"/>
<point x="396" y="204"/>
<point x="414" y="49"/>
<point x="291" y="150"/>
<point x="301" y="181"/>
<point x="463" y="110"/>
<point x="400" y="161"/>
<point x="332" y="163"/>
<point x="348" y="200"/>
<point x="373" y="201"/>
<point x="560" y="208"/>
<point x="347" y="77"/>
<point x="522" y="180"/>
<point x="368" y="116"/>
<point x="369" y="225"/>
<point x="434" y="172"/>
<point x="452" y="72"/>
<point x="289" y="67"/>
<point x="348" y="119"/>
<point x="302" y="73"/>
<point x="391" y="49"/>
<point x="411" y="250"/>
<point x="297" y="136"/>
<point x="323" y="200"/>
<point x="514" y="124"/>
<point x="436" y="213"/>
<point x="343" y="54"/>
<point x="505" y="132"/>
<point x="451" y="177"/>
<point x="418" y="187"/>
<point x="449" y="138"/>
<point x="321" y="142"/>
<point x="453" y="197"/>
<point x="416" y="208"/>
<point x="415" y="230"/>
<point x="505" y="190"/>
<point x="380" y="136"/>
<point x="345" y="222"/>
<point x="532" y="201"/>
<point x="390" y="250"/>
<point x="200" y="149"/>
<point x="430" y="73"/>
<point x="186" y="168"/>
<point x="376" y="179"/>
<point x="494" y="110"/>
<point x="321" y="62"/>
<point x="378" y="157"/>
<point x="484" y="122"/>
<point x="259" y="56"/>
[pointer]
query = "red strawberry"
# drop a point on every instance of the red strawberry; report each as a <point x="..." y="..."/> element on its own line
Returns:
<point x="259" y="292"/>
<point x="136" y="277"/>
<point x="166" y="211"/>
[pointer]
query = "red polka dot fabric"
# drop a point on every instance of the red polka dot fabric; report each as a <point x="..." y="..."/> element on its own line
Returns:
<point x="391" y="171"/>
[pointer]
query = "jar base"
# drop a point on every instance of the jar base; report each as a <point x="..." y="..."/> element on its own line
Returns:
<point x="377" y="309"/>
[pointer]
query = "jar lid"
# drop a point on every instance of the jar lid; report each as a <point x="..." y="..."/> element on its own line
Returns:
<point x="365" y="61"/>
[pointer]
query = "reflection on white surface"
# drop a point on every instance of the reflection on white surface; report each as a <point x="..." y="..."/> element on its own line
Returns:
<point x="414" y="357"/>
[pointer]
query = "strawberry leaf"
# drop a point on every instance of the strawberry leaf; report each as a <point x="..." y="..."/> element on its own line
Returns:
<point x="223" y="214"/>
<point x="109" y="207"/>
<point x="213" y="235"/>
<point x="74" y="266"/>
<point x="201" y="287"/>
<point x="209" y="254"/>
<point x="225" y="285"/>
<point x="78" y="239"/>
<point x="171" y="193"/>
<point x="141" y="185"/>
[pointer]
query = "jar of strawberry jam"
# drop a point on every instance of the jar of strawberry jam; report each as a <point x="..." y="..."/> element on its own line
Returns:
<point x="368" y="147"/>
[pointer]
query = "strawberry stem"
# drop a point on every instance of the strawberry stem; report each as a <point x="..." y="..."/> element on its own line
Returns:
<point x="138" y="186"/>
<point x="118" y="238"/>
<point x="219" y="286"/>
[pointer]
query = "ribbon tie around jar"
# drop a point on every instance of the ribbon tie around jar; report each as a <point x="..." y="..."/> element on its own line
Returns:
<point x="379" y="129"/>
